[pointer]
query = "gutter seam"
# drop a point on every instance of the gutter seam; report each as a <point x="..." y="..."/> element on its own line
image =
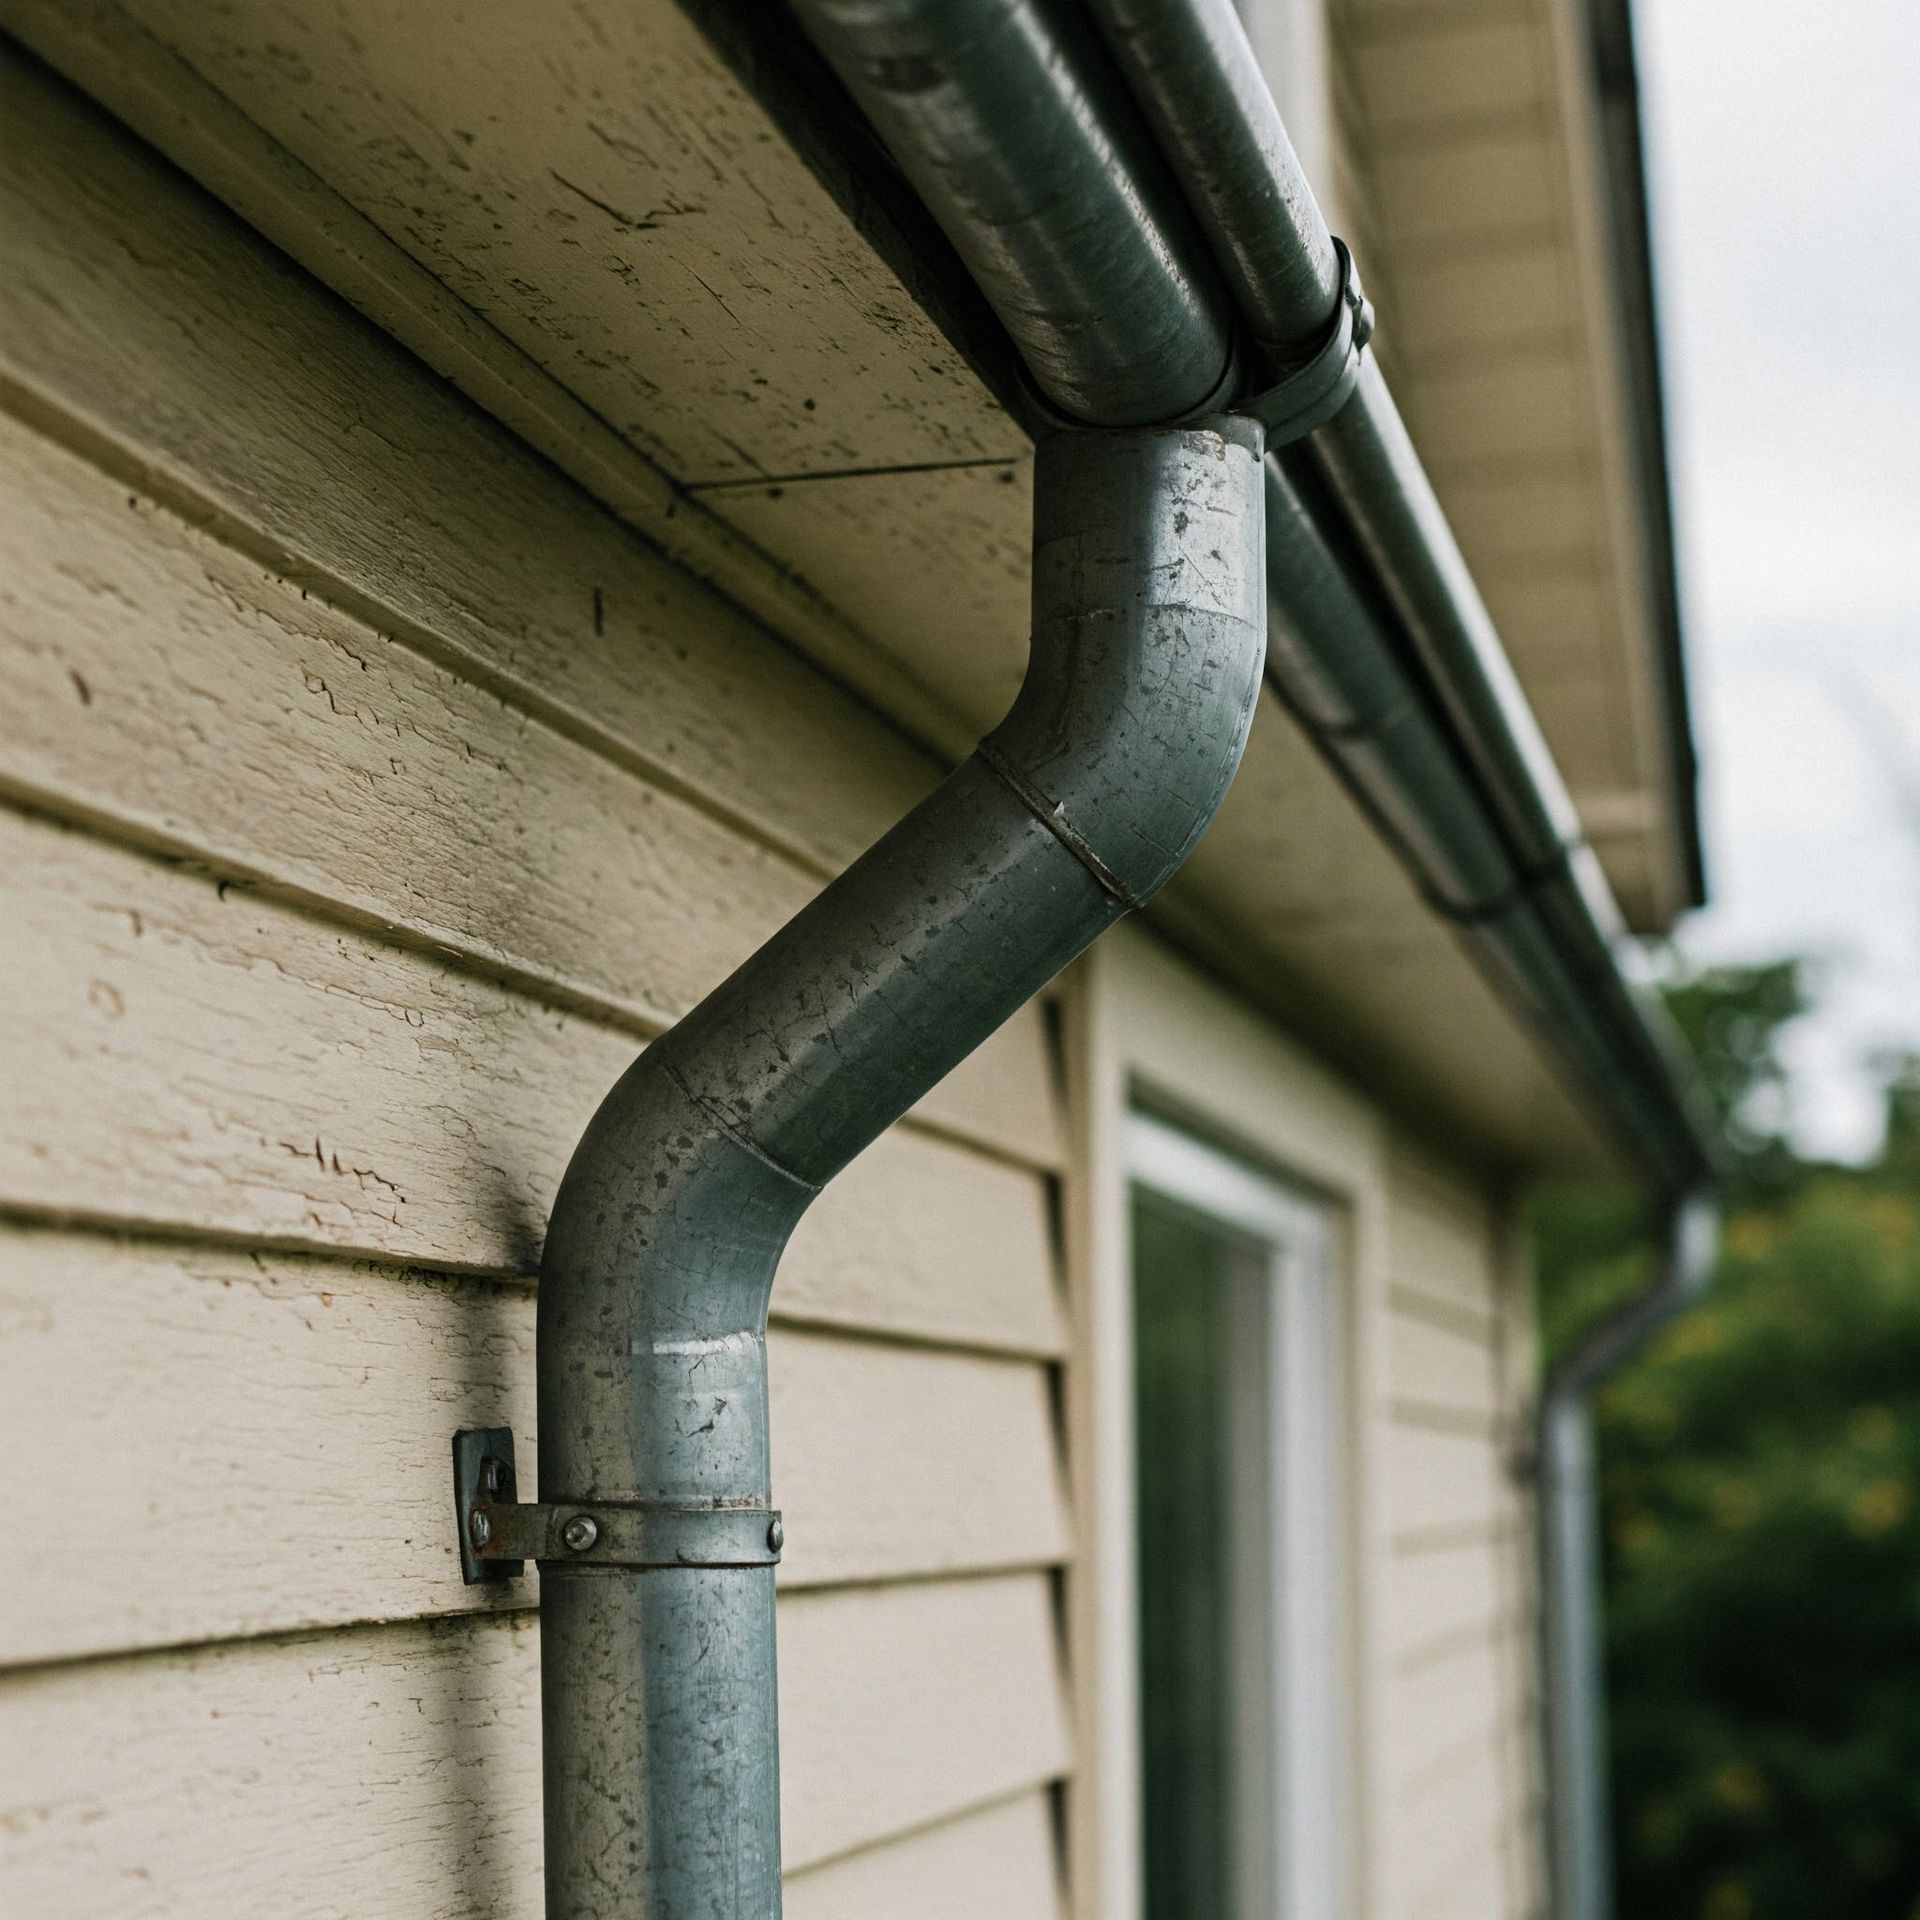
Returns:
<point x="1051" y="814"/>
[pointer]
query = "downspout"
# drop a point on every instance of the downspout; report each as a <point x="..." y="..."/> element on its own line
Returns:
<point x="1572" y="1603"/>
<point x="661" y="1769"/>
<point x="655" y="1531"/>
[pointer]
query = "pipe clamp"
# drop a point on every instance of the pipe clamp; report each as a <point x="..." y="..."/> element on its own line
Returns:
<point x="1312" y="394"/>
<point x="499" y="1534"/>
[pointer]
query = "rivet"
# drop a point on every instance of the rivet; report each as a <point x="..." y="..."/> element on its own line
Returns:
<point x="479" y="1528"/>
<point x="776" y="1535"/>
<point x="580" y="1532"/>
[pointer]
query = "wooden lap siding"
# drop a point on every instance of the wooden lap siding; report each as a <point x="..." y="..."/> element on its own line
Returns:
<point x="1460" y="1703"/>
<point x="370" y="795"/>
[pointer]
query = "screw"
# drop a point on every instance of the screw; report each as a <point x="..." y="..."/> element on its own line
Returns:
<point x="776" y="1535"/>
<point x="479" y="1528"/>
<point x="493" y="1475"/>
<point x="580" y="1532"/>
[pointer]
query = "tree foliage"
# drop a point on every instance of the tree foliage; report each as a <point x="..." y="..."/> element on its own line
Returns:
<point x="1759" y="1468"/>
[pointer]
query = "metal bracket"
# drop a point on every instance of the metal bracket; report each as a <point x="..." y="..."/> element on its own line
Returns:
<point x="1312" y="394"/>
<point x="498" y="1534"/>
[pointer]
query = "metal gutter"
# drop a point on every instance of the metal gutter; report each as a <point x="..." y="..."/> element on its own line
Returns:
<point x="1140" y="174"/>
<point x="1571" y="1589"/>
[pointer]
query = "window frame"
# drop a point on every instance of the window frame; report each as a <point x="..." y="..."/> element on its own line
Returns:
<point x="1294" y="1237"/>
<point x="1146" y="1032"/>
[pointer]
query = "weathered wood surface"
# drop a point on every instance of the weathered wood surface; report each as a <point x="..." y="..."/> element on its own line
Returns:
<point x="211" y="371"/>
<point x="207" y="1061"/>
<point x="635" y="223"/>
<point x="393" y="1773"/>
<point x="161" y="683"/>
<point x="994" y="1865"/>
<point x="264" y="1440"/>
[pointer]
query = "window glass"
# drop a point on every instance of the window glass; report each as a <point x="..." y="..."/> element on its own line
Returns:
<point x="1236" y="1371"/>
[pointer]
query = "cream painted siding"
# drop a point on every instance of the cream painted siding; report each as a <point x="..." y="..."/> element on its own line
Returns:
<point x="1460" y="1710"/>
<point x="369" y="796"/>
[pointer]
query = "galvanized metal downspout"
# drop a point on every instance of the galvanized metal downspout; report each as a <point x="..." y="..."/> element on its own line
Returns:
<point x="658" y="1682"/>
<point x="1572" y="1607"/>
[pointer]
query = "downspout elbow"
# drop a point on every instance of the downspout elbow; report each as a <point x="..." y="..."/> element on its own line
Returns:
<point x="1147" y="652"/>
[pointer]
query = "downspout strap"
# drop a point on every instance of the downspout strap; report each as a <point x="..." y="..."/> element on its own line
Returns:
<point x="499" y="1534"/>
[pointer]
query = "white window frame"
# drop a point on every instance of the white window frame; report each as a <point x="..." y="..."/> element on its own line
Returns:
<point x="1292" y="1864"/>
<point x="1147" y="1032"/>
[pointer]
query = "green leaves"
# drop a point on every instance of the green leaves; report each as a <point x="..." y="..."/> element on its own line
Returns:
<point x="1760" y="1474"/>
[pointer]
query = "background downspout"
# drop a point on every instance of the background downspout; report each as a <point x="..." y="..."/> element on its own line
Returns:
<point x="1573" y="1609"/>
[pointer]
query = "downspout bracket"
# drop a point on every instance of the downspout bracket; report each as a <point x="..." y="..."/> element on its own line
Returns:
<point x="498" y="1534"/>
<point x="1312" y="394"/>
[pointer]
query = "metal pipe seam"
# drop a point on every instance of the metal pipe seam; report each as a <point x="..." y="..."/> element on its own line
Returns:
<point x="1572" y="1659"/>
<point x="658" y="1692"/>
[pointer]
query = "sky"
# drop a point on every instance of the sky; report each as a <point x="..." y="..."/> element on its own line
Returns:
<point x="1784" y="153"/>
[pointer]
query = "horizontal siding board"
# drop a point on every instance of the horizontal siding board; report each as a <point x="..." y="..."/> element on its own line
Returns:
<point x="1472" y="1798"/>
<point x="273" y="1432"/>
<point x="998" y="1864"/>
<point x="1434" y="1596"/>
<point x="1441" y="1479"/>
<point x="153" y="676"/>
<point x="1438" y="1362"/>
<point x="161" y="681"/>
<point x="210" y="1061"/>
<point x="393" y="1773"/>
<point x="940" y="559"/>
<point x="1428" y="1705"/>
<point x="1440" y="1240"/>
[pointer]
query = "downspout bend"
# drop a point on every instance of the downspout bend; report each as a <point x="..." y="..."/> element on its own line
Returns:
<point x="1147" y="652"/>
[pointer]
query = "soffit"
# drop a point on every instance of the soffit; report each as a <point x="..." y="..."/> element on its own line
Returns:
<point x="1470" y="167"/>
<point x="596" y="185"/>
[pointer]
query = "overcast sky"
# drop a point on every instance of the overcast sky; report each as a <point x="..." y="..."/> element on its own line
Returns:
<point x="1786" y="186"/>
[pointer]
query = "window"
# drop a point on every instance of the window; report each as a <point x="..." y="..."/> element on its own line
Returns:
<point x="1237" y="1367"/>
